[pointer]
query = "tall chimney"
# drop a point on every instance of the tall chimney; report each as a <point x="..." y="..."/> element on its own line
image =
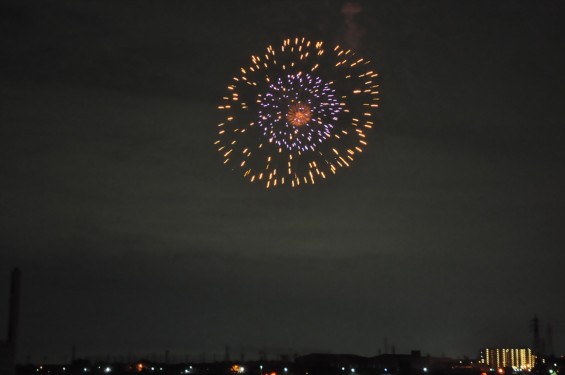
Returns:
<point x="14" y="309"/>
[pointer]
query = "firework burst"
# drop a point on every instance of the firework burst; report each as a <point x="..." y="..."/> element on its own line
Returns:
<point x="297" y="113"/>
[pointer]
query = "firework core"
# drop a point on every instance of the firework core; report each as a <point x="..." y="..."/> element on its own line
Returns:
<point x="299" y="114"/>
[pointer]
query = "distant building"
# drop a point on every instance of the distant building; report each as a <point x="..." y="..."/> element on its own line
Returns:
<point x="518" y="358"/>
<point x="328" y="364"/>
<point x="413" y="363"/>
<point x="8" y="348"/>
<point x="6" y="359"/>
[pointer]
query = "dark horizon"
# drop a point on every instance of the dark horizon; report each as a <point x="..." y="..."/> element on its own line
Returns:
<point x="445" y="235"/>
<point x="542" y="344"/>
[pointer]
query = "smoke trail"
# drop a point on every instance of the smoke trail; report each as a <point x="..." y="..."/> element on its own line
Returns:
<point x="353" y="33"/>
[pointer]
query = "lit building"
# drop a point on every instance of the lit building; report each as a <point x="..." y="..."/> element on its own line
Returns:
<point x="518" y="358"/>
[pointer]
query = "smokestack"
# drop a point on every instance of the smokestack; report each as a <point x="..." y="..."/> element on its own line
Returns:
<point x="14" y="308"/>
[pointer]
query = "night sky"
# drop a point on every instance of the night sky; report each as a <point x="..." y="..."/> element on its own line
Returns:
<point x="133" y="238"/>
